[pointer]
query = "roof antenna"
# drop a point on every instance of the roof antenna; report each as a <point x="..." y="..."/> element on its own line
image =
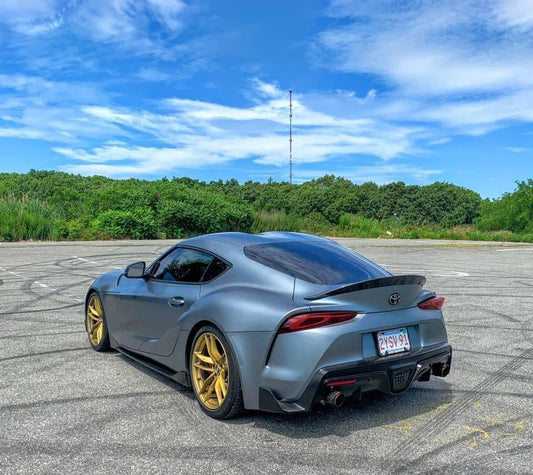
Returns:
<point x="290" y="137"/>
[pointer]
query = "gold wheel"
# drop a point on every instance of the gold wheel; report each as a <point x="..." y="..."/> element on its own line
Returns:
<point x="210" y="371"/>
<point x="95" y="320"/>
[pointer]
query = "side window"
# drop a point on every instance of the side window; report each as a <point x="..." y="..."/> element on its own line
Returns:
<point x="215" y="269"/>
<point x="183" y="265"/>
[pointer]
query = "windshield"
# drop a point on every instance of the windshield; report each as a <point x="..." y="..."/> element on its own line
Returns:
<point x="325" y="263"/>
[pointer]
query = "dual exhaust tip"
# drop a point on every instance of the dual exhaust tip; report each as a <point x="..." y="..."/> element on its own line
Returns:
<point x="336" y="398"/>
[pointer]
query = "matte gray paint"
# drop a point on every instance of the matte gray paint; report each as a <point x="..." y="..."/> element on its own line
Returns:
<point x="248" y="303"/>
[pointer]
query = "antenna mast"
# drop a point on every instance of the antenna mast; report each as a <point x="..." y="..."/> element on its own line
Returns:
<point x="290" y="137"/>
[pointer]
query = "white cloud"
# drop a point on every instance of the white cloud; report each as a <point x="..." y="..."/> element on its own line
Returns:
<point x="168" y="12"/>
<point x="128" y="21"/>
<point x="377" y="173"/>
<point x="121" y="21"/>
<point x="187" y="134"/>
<point x="515" y="13"/>
<point x="431" y="47"/>
<point x="154" y="75"/>
<point x="462" y="63"/>
<point x="32" y="107"/>
<point x="31" y="17"/>
<point x="517" y="149"/>
<point x="196" y="134"/>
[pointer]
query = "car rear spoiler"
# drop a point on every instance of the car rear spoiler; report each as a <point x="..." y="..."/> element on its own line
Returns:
<point x="372" y="284"/>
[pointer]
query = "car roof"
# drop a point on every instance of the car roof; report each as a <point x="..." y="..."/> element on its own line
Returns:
<point x="230" y="244"/>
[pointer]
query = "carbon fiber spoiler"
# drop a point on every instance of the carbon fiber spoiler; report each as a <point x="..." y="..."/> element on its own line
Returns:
<point x="372" y="284"/>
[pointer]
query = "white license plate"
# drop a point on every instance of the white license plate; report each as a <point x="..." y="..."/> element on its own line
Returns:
<point x="393" y="341"/>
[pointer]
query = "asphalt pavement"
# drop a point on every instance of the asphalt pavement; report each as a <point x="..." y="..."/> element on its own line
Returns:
<point x="66" y="409"/>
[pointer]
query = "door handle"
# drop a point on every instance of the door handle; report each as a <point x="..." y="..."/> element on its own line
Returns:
<point x="176" y="301"/>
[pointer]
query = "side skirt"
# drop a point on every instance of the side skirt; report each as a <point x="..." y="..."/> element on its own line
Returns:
<point x="180" y="377"/>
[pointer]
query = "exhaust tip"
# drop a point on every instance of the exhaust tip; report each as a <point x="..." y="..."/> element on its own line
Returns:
<point x="441" y="369"/>
<point x="335" y="399"/>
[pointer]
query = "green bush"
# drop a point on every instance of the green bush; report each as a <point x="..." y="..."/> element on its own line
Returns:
<point x="56" y="205"/>
<point x="512" y="212"/>
<point x="203" y="213"/>
<point x="117" y="224"/>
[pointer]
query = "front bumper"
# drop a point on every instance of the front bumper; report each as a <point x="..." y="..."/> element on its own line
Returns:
<point x="383" y="374"/>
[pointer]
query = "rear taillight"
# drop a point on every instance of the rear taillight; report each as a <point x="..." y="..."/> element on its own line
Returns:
<point x="434" y="303"/>
<point x="314" y="320"/>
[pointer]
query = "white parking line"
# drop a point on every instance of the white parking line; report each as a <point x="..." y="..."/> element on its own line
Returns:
<point x="515" y="249"/>
<point x="82" y="259"/>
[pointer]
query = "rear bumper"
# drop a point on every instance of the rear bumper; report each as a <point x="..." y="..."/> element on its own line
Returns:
<point x="383" y="374"/>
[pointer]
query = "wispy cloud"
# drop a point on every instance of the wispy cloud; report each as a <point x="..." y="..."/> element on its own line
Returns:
<point x="517" y="149"/>
<point x="197" y="134"/>
<point x="378" y="173"/>
<point x="32" y="107"/>
<point x="463" y="63"/>
<point x="128" y="24"/>
<point x="31" y="17"/>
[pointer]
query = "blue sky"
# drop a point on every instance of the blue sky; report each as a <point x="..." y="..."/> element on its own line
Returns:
<point x="384" y="91"/>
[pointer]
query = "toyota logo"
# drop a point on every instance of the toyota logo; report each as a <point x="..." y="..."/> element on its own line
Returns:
<point x="394" y="299"/>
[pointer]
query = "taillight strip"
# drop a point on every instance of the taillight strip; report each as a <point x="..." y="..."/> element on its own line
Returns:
<point x="308" y="321"/>
<point x="434" y="303"/>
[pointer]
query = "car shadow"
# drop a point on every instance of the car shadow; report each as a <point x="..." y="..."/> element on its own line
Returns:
<point x="159" y="377"/>
<point x="420" y="403"/>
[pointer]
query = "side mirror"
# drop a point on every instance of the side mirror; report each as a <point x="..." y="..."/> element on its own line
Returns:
<point x="135" y="271"/>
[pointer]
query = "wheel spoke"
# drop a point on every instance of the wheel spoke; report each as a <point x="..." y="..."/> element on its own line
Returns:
<point x="98" y="306"/>
<point x="93" y="316"/>
<point x="206" y="383"/>
<point x="209" y="391"/>
<point x="218" y="390"/>
<point x="93" y="309"/>
<point x="224" y="363"/>
<point x="203" y="368"/>
<point x="95" y="332"/>
<point x="224" y="387"/>
<point x="205" y="359"/>
<point x="212" y="348"/>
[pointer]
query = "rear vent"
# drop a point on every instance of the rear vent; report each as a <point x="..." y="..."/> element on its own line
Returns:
<point x="400" y="379"/>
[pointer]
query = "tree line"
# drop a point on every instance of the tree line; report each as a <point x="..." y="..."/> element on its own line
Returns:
<point x="60" y="206"/>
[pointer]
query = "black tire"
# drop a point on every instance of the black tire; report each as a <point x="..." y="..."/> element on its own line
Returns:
<point x="94" y="318"/>
<point x="232" y="404"/>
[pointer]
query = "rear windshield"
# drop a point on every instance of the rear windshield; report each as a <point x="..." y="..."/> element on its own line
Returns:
<point x="325" y="263"/>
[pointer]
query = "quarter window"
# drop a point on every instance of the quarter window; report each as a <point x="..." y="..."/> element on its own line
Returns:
<point x="215" y="269"/>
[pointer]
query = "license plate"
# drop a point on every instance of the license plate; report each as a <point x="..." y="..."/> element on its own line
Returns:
<point x="393" y="341"/>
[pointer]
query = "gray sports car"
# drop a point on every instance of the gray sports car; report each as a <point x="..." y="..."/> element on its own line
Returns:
<point x="273" y="321"/>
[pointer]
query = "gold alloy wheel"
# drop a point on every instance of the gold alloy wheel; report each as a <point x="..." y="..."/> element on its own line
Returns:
<point x="95" y="320"/>
<point x="210" y="371"/>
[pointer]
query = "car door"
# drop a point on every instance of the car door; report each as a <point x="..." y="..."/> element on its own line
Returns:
<point x="151" y="307"/>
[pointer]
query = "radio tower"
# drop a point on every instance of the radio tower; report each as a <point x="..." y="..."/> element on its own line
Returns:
<point x="290" y="137"/>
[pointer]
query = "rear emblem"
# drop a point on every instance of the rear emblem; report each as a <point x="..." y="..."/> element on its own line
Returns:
<point x="394" y="299"/>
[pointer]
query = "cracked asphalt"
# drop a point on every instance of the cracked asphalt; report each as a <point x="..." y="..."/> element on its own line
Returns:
<point x="66" y="409"/>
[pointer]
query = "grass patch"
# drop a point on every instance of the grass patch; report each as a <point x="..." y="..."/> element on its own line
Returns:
<point x="358" y="226"/>
<point x="22" y="220"/>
